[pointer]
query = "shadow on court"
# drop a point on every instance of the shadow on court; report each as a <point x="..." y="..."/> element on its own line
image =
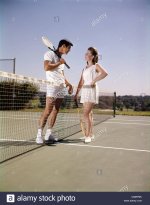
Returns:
<point x="118" y="160"/>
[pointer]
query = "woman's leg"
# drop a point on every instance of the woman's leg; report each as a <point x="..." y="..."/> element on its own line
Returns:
<point x="87" y="108"/>
<point x="46" y="113"/>
<point x="91" y="121"/>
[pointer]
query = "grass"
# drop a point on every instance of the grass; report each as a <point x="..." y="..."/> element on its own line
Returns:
<point x="70" y="110"/>
<point x="131" y="112"/>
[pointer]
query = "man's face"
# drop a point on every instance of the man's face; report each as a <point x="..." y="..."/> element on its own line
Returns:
<point x="66" y="49"/>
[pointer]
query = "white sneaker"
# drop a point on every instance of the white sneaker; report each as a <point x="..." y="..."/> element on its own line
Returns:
<point x="48" y="134"/>
<point x="39" y="139"/>
<point x="92" y="138"/>
<point x="87" y="139"/>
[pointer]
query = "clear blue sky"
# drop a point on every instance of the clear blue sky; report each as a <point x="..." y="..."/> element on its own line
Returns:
<point x="121" y="33"/>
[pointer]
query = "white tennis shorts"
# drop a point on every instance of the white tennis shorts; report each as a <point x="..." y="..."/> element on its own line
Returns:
<point x="55" y="91"/>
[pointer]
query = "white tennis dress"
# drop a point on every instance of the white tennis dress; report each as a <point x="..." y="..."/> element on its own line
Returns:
<point x="89" y="94"/>
<point x="56" y="76"/>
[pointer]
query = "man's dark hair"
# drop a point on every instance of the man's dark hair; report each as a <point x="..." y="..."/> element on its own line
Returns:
<point x="64" y="42"/>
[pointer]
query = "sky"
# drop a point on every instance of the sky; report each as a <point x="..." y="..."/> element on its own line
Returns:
<point x="119" y="29"/>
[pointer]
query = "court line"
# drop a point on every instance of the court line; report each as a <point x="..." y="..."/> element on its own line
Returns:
<point x="121" y="123"/>
<point x="32" y="119"/>
<point x="13" y="140"/>
<point x="103" y="147"/>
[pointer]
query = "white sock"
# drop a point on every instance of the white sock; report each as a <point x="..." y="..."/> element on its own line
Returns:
<point x="48" y="131"/>
<point x="40" y="131"/>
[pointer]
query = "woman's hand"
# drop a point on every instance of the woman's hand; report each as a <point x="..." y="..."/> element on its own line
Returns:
<point x="70" y="89"/>
<point x="93" y="84"/>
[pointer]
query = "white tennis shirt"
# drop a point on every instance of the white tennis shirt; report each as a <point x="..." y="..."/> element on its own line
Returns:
<point x="55" y="75"/>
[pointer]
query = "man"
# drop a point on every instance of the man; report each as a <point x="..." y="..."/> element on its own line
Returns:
<point x="54" y="67"/>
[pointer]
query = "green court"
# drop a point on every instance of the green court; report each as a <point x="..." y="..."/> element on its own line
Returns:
<point x="118" y="160"/>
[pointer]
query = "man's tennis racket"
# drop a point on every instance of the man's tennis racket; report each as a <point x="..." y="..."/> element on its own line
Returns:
<point x="52" y="48"/>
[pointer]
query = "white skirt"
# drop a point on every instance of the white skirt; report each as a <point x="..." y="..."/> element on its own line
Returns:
<point x="55" y="91"/>
<point x="89" y="95"/>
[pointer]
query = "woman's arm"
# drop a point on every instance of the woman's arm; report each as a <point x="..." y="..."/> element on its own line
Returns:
<point x="80" y="84"/>
<point x="102" y="74"/>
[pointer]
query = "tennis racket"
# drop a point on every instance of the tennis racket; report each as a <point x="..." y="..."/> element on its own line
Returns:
<point x="52" y="48"/>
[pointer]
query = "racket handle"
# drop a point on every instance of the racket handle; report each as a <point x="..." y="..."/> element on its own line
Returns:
<point x="67" y="65"/>
<point x="76" y="103"/>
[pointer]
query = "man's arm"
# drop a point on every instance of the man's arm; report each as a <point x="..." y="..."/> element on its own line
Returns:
<point x="66" y="81"/>
<point x="70" y="90"/>
<point x="48" y="65"/>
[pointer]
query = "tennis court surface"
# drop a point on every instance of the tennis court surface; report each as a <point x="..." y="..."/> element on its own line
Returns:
<point x="118" y="160"/>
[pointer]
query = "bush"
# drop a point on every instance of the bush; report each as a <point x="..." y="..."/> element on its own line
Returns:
<point x="16" y="95"/>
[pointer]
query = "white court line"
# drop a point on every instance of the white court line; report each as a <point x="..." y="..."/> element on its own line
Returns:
<point x="103" y="147"/>
<point x="13" y="140"/>
<point x="75" y="119"/>
<point x="16" y="118"/>
<point x="36" y="119"/>
<point x="121" y="123"/>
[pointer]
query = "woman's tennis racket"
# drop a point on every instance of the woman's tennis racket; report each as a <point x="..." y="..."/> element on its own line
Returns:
<point x="52" y="48"/>
<point x="82" y="124"/>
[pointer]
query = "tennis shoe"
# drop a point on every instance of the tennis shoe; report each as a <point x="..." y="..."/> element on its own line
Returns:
<point x="39" y="139"/>
<point x="87" y="139"/>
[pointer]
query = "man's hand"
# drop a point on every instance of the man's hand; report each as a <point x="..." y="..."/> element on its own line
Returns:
<point x="62" y="61"/>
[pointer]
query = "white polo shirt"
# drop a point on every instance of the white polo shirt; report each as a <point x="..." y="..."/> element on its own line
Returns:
<point x="54" y="75"/>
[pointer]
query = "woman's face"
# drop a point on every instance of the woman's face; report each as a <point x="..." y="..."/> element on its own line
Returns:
<point x="88" y="56"/>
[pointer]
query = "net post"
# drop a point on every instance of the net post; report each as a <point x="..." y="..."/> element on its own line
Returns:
<point x="14" y="71"/>
<point x="14" y="65"/>
<point x="114" y="105"/>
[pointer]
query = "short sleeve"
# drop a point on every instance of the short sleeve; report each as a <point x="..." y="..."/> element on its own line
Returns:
<point x="49" y="55"/>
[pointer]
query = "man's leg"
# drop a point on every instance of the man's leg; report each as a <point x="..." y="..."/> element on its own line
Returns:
<point x="52" y="119"/>
<point x="54" y="112"/>
<point x="44" y="117"/>
<point x="48" y="109"/>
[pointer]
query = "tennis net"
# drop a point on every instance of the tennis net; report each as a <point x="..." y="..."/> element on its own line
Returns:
<point x="22" y="100"/>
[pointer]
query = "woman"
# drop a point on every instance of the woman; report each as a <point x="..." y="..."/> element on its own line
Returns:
<point x="91" y="74"/>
